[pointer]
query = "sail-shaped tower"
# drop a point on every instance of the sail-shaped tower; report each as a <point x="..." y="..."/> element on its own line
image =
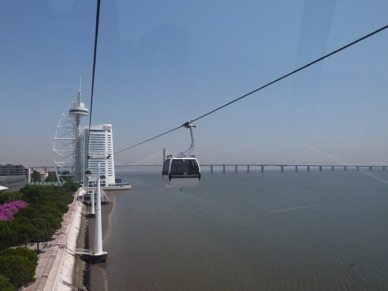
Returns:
<point x="68" y="144"/>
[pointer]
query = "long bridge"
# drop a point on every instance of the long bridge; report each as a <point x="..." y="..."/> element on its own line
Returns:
<point x="260" y="168"/>
<point x="290" y="168"/>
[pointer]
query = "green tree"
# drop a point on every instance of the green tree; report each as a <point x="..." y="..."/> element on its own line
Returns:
<point x="52" y="177"/>
<point x="18" y="269"/>
<point x="18" y="266"/>
<point x="35" y="177"/>
<point x="5" y="285"/>
<point x="7" y="234"/>
<point x="54" y="221"/>
<point x="25" y="234"/>
<point x="24" y="230"/>
<point x="10" y="196"/>
<point x="70" y="186"/>
<point x="42" y="232"/>
<point x="35" y="193"/>
<point x="30" y="212"/>
<point x="20" y="251"/>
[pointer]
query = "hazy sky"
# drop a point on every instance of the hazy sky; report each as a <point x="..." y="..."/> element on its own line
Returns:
<point x="162" y="63"/>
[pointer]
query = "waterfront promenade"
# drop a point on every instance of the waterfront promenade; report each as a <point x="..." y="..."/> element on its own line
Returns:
<point x="55" y="270"/>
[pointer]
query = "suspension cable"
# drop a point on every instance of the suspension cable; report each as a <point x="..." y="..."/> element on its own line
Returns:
<point x="94" y="63"/>
<point x="264" y="86"/>
<point x="293" y="72"/>
<point x="147" y="140"/>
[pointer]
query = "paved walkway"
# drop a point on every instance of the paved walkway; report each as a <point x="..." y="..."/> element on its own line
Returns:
<point x="56" y="262"/>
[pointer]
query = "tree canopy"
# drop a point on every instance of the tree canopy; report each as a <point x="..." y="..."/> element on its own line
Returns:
<point x="41" y="216"/>
<point x="5" y="285"/>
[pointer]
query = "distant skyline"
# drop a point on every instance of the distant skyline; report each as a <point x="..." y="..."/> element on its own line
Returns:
<point x="160" y="64"/>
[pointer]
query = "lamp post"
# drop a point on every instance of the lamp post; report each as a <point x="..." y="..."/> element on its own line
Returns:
<point x="88" y="175"/>
<point x="93" y="213"/>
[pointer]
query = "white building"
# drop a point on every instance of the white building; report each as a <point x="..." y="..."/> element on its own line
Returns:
<point x="99" y="147"/>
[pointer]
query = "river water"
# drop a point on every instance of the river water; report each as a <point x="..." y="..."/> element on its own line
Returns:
<point x="256" y="231"/>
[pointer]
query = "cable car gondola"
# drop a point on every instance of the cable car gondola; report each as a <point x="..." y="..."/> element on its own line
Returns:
<point x="182" y="171"/>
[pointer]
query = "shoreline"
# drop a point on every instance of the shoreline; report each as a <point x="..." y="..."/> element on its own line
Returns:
<point x="95" y="274"/>
<point x="79" y="264"/>
<point x="59" y="266"/>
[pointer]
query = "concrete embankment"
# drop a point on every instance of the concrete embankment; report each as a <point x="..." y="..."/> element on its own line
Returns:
<point x="57" y="268"/>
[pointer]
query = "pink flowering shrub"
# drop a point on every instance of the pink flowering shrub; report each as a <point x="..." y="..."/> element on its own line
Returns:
<point x="8" y="210"/>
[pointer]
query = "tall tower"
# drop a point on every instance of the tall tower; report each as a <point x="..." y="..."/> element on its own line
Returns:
<point x="68" y="146"/>
<point x="78" y="110"/>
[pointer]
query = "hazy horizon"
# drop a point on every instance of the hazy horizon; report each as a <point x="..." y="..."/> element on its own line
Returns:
<point x="160" y="65"/>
